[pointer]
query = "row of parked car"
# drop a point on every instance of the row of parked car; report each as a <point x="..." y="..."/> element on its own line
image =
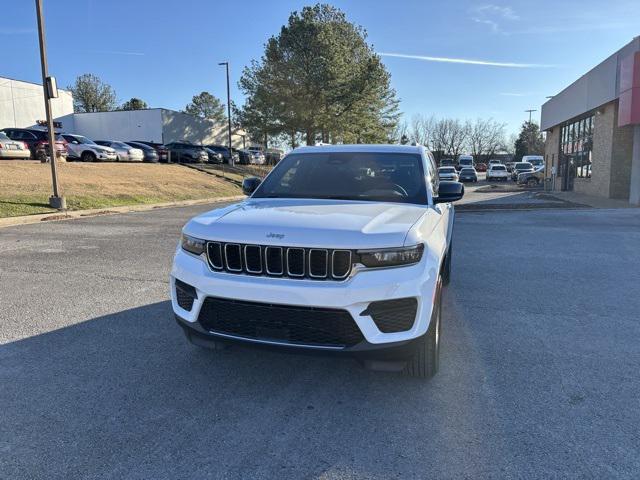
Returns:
<point x="33" y="143"/>
<point x="529" y="171"/>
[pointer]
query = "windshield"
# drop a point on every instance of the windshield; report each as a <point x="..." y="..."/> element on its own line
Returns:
<point x="467" y="170"/>
<point x="387" y="177"/>
<point x="523" y="166"/>
<point x="83" y="140"/>
<point x="498" y="167"/>
<point x="447" y="170"/>
<point x="465" y="161"/>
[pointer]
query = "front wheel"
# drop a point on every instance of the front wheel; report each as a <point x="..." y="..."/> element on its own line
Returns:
<point x="426" y="359"/>
<point x="88" y="157"/>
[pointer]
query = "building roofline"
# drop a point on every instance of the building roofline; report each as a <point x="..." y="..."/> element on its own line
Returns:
<point x="572" y="91"/>
<point x="111" y="111"/>
<point x="31" y="83"/>
<point x="634" y="40"/>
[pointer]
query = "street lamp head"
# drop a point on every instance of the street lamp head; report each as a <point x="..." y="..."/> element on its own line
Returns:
<point x="223" y="63"/>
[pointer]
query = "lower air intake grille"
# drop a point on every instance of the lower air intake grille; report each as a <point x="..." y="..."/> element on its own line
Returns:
<point x="185" y="295"/>
<point x="392" y="316"/>
<point x="322" y="327"/>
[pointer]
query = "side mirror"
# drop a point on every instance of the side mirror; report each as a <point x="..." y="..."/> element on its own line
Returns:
<point x="250" y="184"/>
<point x="449" y="192"/>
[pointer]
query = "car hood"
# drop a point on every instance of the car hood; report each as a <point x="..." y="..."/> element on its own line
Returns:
<point x="103" y="148"/>
<point x="309" y="223"/>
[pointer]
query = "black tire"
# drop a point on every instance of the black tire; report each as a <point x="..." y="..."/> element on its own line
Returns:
<point x="88" y="157"/>
<point x="426" y="359"/>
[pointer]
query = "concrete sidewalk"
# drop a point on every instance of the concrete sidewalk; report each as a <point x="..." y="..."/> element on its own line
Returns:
<point x="590" y="200"/>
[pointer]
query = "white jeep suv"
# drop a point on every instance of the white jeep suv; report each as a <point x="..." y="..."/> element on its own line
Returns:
<point x="339" y="249"/>
<point x="82" y="148"/>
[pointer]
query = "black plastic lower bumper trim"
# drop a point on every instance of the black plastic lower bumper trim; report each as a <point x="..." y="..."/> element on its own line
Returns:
<point x="396" y="351"/>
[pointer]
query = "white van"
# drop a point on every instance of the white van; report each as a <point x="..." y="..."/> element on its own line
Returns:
<point x="465" y="161"/>
<point x="536" y="160"/>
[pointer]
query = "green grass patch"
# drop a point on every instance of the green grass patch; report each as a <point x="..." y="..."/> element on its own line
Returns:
<point x="24" y="205"/>
<point x="35" y="204"/>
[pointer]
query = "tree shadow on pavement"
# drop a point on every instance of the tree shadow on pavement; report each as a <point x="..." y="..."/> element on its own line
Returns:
<point x="125" y="396"/>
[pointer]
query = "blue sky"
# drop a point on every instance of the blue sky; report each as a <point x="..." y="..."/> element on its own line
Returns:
<point x="165" y="52"/>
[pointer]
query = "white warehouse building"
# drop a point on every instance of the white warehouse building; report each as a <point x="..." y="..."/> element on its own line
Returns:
<point x="158" y="125"/>
<point x="22" y="106"/>
<point x="22" y="103"/>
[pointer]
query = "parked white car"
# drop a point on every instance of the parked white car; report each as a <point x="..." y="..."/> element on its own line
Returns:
<point x="257" y="156"/>
<point x="448" y="173"/>
<point x="341" y="248"/>
<point x="497" y="172"/>
<point x="124" y="151"/>
<point x="81" y="148"/>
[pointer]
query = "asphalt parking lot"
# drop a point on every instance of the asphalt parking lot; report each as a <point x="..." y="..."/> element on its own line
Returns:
<point x="539" y="367"/>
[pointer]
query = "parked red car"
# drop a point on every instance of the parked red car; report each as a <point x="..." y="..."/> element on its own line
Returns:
<point x="37" y="141"/>
<point x="481" y="167"/>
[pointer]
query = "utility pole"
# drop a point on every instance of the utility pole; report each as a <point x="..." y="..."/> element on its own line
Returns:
<point x="50" y="91"/>
<point x="530" y="139"/>
<point x="530" y="112"/>
<point x="226" y="64"/>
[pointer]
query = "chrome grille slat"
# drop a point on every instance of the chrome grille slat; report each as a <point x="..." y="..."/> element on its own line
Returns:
<point x="234" y="251"/>
<point x="297" y="270"/>
<point x="251" y="254"/>
<point x="274" y="260"/>
<point x="315" y="269"/>
<point x="340" y="263"/>
<point x="280" y="261"/>
<point x="214" y="253"/>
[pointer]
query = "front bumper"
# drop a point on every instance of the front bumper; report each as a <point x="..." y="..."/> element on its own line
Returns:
<point x="106" y="156"/>
<point x="399" y="351"/>
<point x="352" y="295"/>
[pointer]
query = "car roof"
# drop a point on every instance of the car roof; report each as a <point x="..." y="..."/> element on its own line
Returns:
<point x="361" y="148"/>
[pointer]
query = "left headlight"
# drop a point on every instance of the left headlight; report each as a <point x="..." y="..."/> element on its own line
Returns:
<point x="391" y="257"/>
<point x="193" y="245"/>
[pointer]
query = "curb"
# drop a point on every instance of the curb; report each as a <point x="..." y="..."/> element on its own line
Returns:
<point x="70" y="215"/>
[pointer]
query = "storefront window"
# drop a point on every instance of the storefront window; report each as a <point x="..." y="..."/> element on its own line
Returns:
<point x="577" y="142"/>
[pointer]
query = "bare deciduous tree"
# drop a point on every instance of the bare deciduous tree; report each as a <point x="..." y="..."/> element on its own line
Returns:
<point x="485" y="137"/>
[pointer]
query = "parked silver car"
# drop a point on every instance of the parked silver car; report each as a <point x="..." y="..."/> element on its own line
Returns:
<point x="13" y="148"/>
<point x="124" y="152"/>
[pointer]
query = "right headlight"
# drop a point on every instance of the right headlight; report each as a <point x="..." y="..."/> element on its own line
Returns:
<point x="391" y="257"/>
<point x="193" y="245"/>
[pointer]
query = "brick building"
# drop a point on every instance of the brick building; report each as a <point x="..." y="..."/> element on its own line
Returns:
<point x="593" y="130"/>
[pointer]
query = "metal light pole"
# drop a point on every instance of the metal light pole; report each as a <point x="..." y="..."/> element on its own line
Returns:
<point x="49" y="89"/>
<point x="530" y="112"/>
<point x="226" y="64"/>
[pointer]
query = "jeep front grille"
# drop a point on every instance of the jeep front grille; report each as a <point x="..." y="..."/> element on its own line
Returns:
<point x="276" y="261"/>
